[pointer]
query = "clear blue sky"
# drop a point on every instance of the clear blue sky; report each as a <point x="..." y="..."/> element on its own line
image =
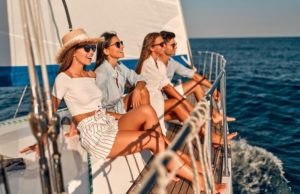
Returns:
<point x="242" y="18"/>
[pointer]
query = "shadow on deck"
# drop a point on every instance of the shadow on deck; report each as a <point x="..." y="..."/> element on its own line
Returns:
<point x="182" y="186"/>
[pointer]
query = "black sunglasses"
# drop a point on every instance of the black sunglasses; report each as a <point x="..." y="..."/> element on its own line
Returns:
<point x="118" y="44"/>
<point x="162" y="44"/>
<point x="173" y="44"/>
<point x="87" y="48"/>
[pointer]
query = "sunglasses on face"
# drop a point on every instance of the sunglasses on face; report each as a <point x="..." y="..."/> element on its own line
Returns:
<point x="87" y="48"/>
<point x="162" y="44"/>
<point x="118" y="44"/>
<point x="173" y="44"/>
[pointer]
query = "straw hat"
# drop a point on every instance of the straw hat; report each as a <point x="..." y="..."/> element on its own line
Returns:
<point x="75" y="37"/>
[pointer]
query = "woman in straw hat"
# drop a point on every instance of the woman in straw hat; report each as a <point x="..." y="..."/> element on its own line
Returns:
<point x="101" y="134"/>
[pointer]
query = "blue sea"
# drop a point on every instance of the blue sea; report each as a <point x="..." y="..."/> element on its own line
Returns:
<point x="263" y="93"/>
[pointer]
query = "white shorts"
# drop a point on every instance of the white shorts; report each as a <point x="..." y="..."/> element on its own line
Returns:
<point x="97" y="134"/>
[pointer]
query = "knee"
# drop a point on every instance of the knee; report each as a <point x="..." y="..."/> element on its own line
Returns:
<point x="146" y="109"/>
<point x="144" y="92"/>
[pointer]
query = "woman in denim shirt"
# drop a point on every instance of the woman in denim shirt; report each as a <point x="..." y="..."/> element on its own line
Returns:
<point x="112" y="77"/>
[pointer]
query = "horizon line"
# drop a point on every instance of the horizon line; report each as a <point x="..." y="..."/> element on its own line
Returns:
<point x="236" y="37"/>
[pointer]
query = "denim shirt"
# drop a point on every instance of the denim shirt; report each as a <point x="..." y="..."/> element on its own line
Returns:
<point x="111" y="82"/>
<point x="175" y="67"/>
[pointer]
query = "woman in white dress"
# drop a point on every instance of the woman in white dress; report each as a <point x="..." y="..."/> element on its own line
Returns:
<point x="154" y="71"/>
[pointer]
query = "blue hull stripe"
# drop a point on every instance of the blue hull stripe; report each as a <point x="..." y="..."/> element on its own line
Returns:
<point x="18" y="75"/>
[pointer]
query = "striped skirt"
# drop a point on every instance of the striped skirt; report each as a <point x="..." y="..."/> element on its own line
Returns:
<point x="97" y="134"/>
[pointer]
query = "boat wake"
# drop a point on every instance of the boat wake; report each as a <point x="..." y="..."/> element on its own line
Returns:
<point x="255" y="170"/>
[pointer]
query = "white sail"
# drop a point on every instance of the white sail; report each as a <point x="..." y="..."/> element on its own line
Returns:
<point x="131" y="19"/>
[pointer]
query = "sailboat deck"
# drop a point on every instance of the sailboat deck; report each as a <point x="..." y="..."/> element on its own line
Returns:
<point x="182" y="186"/>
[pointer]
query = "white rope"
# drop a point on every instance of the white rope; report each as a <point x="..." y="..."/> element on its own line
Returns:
<point x="164" y="177"/>
<point x="194" y="135"/>
<point x="207" y="156"/>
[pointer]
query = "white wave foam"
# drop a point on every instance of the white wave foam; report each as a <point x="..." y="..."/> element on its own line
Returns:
<point x="255" y="170"/>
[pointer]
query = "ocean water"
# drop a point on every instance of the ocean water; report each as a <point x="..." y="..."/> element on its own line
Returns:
<point x="263" y="93"/>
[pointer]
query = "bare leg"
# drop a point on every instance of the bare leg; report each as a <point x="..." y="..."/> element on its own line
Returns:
<point x="218" y="139"/>
<point x="141" y="118"/>
<point x="174" y="107"/>
<point x="137" y="141"/>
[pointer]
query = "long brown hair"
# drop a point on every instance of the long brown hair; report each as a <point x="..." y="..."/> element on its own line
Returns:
<point x="100" y="56"/>
<point x="67" y="60"/>
<point x="149" y="40"/>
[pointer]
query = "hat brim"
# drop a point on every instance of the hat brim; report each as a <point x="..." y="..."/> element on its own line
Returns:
<point x="63" y="50"/>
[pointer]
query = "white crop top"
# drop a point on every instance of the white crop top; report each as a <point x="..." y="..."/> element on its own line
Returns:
<point x="81" y="94"/>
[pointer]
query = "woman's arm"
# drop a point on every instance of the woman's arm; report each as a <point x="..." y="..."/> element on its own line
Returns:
<point x="56" y="102"/>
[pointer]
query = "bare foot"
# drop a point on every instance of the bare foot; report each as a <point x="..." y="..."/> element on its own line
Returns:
<point x="219" y="140"/>
<point x="231" y="119"/>
<point x="218" y="118"/>
<point x="174" y="178"/>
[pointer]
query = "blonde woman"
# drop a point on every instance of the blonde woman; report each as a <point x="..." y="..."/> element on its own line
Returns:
<point x="154" y="70"/>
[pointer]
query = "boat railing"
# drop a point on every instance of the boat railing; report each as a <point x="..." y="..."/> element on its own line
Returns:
<point x="213" y="64"/>
<point x="20" y="101"/>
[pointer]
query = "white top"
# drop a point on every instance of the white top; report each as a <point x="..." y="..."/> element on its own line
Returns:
<point x="156" y="76"/>
<point x="156" y="80"/>
<point x="80" y="94"/>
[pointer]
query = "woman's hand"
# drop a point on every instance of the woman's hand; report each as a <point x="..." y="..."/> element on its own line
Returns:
<point x="136" y="98"/>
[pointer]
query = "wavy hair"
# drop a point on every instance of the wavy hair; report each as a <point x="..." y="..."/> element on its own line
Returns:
<point x="149" y="40"/>
<point x="67" y="59"/>
<point x="100" y="56"/>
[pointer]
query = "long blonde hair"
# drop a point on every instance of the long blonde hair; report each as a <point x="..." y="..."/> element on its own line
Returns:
<point x="148" y="42"/>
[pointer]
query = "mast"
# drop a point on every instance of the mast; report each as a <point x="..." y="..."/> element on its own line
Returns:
<point x="43" y="120"/>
